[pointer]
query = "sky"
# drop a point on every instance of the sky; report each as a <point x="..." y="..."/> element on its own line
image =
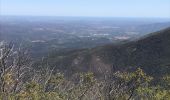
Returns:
<point x="90" y="8"/>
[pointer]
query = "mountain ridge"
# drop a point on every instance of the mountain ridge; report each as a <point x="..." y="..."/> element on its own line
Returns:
<point x="151" y="53"/>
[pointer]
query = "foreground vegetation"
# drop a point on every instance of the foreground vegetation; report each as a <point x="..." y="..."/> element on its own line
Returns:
<point x="20" y="81"/>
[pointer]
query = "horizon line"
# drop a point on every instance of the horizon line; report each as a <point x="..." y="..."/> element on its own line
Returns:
<point x="84" y="16"/>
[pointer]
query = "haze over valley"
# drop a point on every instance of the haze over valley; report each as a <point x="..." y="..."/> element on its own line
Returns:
<point x="46" y="34"/>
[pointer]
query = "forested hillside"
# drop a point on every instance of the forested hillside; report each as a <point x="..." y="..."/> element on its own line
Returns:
<point x="20" y="81"/>
<point x="151" y="53"/>
<point x="123" y="71"/>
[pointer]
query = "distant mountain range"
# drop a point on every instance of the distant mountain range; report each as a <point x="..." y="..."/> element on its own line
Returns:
<point x="151" y="53"/>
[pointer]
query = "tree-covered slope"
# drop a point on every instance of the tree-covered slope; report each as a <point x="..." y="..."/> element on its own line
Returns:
<point x="151" y="53"/>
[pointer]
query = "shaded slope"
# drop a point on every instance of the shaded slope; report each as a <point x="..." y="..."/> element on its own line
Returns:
<point x="152" y="53"/>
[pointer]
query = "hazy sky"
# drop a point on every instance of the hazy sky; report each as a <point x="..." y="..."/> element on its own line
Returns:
<point x="95" y="8"/>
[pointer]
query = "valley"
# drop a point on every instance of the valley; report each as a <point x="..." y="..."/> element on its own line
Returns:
<point x="47" y="58"/>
